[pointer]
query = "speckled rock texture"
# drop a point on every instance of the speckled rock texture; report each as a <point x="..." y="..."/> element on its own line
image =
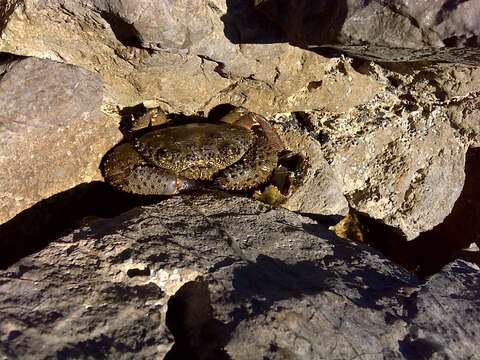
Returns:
<point x="396" y="165"/>
<point x="52" y="132"/>
<point x="403" y="153"/>
<point x="221" y="277"/>
<point x="384" y="30"/>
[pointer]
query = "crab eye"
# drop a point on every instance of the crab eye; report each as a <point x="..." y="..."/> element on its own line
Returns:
<point x="160" y="153"/>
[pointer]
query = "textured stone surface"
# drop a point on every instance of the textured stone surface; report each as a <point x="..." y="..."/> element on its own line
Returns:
<point x="52" y="133"/>
<point x="465" y="115"/>
<point x="231" y="273"/>
<point x="396" y="165"/>
<point x="403" y="153"/>
<point x="320" y="190"/>
<point x="146" y="50"/>
<point x="387" y="30"/>
<point x="441" y="304"/>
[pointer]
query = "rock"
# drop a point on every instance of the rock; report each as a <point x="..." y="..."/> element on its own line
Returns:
<point x="229" y="54"/>
<point x="397" y="161"/>
<point x="465" y="115"/>
<point x="461" y="227"/>
<point x="446" y="307"/>
<point x="320" y="190"/>
<point x="389" y="30"/>
<point x="227" y="277"/>
<point x="176" y="53"/>
<point x="392" y="153"/>
<point x="440" y="83"/>
<point x="53" y="134"/>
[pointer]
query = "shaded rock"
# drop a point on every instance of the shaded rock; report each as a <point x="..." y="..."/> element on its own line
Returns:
<point x="177" y="54"/>
<point x="225" y="277"/>
<point x="387" y="30"/>
<point x="52" y="132"/>
<point x="444" y="324"/>
<point x="461" y="227"/>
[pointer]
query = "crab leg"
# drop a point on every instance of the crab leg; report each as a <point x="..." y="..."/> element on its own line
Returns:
<point x="257" y="165"/>
<point x="269" y="133"/>
<point x="125" y="169"/>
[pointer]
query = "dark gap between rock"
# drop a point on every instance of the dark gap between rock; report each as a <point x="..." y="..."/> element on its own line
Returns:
<point x="198" y="335"/>
<point x="445" y="242"/>
<point x="434" y="249"/>
<point x="138" y="272"/>
<point x="34" y="228"/>
<point x="220" y="111"/>
<point x="125" y="32"/>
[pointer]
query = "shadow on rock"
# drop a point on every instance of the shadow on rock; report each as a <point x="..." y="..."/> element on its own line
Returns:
<point x="198" y="335"/>
<point x="269" y="280"/>
<point x="301" y="23"/>
<point x="243" y="24"/>
<point x="444" y="242"/>
<point x="47" y="220"/>
<point x="433" y="249"/>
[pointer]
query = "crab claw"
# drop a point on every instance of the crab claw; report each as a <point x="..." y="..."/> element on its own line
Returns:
<point x="269" y="133"/>
<point x="126" y="170"/>
<point x="244" y="118"/>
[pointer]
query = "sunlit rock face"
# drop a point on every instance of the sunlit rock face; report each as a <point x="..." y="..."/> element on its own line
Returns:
<point x="52" y="132"/>
<point x="371" y="119"/>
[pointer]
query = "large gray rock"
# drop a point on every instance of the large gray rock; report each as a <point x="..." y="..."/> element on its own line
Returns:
<point x="52" y="132"/>
<point x="387" y="30"/>
<point x="451" y="295"/>
<point x="227" y="276"/>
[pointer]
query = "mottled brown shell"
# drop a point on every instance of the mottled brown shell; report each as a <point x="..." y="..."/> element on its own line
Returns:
<point x="253" y="169"/>
<point x="195" y="151"/>
<point x="124" y="168"/>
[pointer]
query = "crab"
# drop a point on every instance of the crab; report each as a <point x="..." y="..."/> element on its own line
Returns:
<point x="240" y="152"/>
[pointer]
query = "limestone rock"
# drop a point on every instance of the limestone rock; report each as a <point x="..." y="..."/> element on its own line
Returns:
<point x="177" y="53"/>
<point x="320" y="190"/>
<point x="387" y="30"/>
<point x="396" y="163"/>
<point x="227" y="276"/>
<point x="52" y="132"/>
<point x="465" y="116"/>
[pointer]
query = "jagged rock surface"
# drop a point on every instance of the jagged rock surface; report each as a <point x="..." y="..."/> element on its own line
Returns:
<point x="320" y="190"/>
<point x="177" y="54"/>
<point x="385" y="30"/>
<point x="227" y="277"/>
<point x="52" y="132"/>
<point x="396" y="165"/>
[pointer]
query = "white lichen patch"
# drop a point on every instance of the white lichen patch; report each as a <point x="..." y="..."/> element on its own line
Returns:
<point x="171" y="280"/>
